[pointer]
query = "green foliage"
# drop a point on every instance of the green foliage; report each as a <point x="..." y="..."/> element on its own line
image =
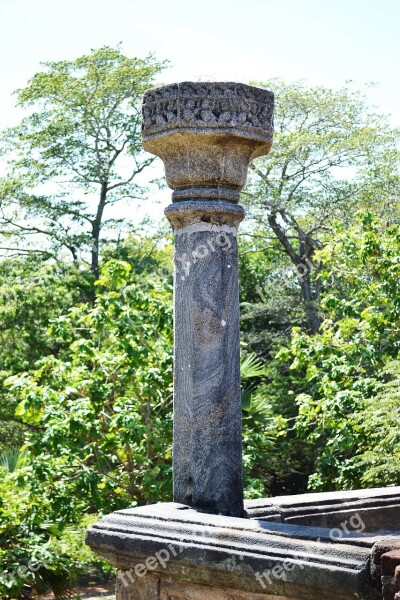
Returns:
<point x="270" y="308"/>
<point x="345" y="364"/>
<point x="12" y="459"/>
<point x="378" y="422"/>
<point x="102" y="407"/>
<point x="261" y="426"/>
<point x="332" y="155"/>
<point x="32" y="292"/>
<point x="100" y="423"/>
<point x="330" y="151"/>
<point x="268" y="294"/>
<point x="321" y="133"/>
<point x="35" y="553"/>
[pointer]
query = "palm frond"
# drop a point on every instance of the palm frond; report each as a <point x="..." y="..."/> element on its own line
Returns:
<point x="12" y="459"/>
<point x="251" y="366"/>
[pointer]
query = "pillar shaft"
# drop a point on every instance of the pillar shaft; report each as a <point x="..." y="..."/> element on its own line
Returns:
<point x="207" y="453"/>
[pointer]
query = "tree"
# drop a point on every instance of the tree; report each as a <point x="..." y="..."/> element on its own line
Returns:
<point x="95" y="449"/>
<point x="330" y="150"/>
<point x="77" y="153"/>
<point x="377" y="458"/>
<point x="349" y="411"/>
<point x="268" y="295"/>
<point x="269" y="310"/>
<point x="100" y="423"/>
<point x="33" y="291"/>
<point x="101" y="409"/>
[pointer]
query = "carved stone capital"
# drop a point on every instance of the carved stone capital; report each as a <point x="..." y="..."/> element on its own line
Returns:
<point x="207" y="134"/>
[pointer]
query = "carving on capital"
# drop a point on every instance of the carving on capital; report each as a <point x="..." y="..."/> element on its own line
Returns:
<point x="209" y="106"/>
<point x="207" y="134"/>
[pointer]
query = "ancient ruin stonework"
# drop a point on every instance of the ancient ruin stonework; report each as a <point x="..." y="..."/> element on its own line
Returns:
<point x="206" y="135"/>
<point x="209" y="544"/>
<point x="209" y="106"/>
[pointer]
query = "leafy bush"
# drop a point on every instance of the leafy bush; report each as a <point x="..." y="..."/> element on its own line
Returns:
<point x="346" y="363"/>
<point x="100" y="419"/>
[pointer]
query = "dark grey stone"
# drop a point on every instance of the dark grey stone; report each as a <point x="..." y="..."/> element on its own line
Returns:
<point x="207" y="404"/>
<point x="228" y="552"/>
<point x="207" y="134"/>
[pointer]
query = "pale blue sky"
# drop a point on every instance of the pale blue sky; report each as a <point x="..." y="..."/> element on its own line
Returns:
<point x="324" y="43"/>
<point x="316" y="40"/>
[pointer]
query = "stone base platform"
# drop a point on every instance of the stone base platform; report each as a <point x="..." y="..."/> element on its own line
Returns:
<point x="306" y="547"/>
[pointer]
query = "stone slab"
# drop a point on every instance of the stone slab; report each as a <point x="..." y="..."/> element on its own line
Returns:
<point x="227" y="552"/>
<point x="378" y="508"/>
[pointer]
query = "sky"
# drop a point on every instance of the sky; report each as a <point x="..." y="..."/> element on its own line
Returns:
<point x="320" y="42"/>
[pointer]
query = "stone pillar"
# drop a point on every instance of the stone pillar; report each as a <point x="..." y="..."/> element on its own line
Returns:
<point x="206" y="135"/>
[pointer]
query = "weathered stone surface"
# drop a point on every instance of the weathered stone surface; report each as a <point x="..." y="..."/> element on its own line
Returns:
<point x="215" y="106"/>
<point x="378" y="509"/>
<point x="144" y="588"/>
<point x="226" y="553"/>
<point x="179" y="591"/>
<point x="204" y="212"/>
<point x="207" y="134"/>
<point x="385" y="567"/>
<point x="207" y="409"/>
<point x="244" y="555"/>
<point x="166" y="588"/>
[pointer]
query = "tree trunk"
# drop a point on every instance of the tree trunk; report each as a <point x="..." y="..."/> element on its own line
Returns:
<point x="302" y="261"/>
<point x="96" y="229"/>
<point x="309" y="296"/>
<point x="312" y="314"/>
